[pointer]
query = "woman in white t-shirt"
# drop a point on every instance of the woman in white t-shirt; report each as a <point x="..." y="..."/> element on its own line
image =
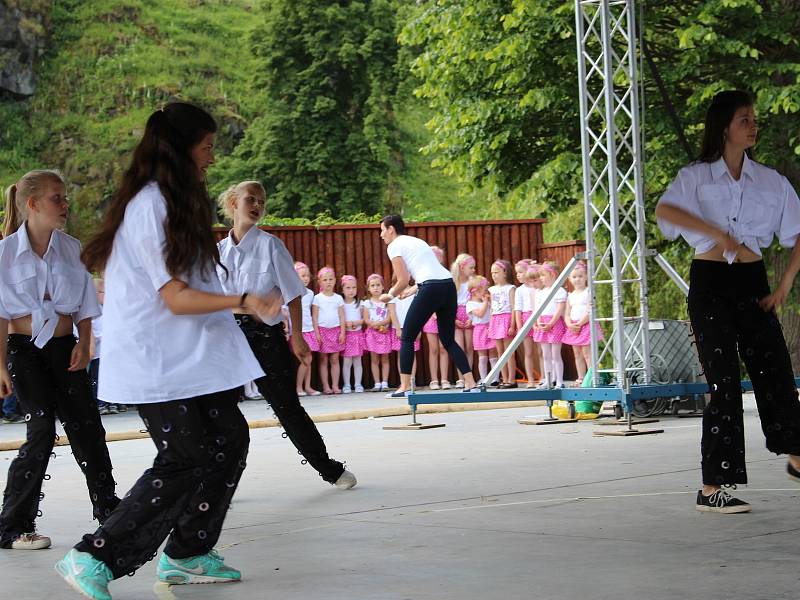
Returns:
<point x="172" y="347"/>
<point x="436" y="293"/>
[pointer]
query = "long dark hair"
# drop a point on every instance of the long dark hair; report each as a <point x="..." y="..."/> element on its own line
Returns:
<point x="164" y="155"/>
<point x="719" y="115"/>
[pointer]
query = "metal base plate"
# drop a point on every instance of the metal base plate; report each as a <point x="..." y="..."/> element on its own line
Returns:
<point x="413" y="426"/>
<point x="545" y="421"/>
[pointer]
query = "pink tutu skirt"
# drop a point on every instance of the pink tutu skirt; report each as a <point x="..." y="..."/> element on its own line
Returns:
<point x="498" y="327"/>
<point x="481" y="339"/>
<point x="431" y="326"/>
<point x="461" y="315"/>
<point x="330" y="340"/>
<point x="396" y="342"/>
<point x="311" y="340"/>
<point x="583" y="337"/>
<point x="377" y="342"/>
<point x="353" y="344"/>
<point x="525" y="314"/>
<point x="555" y="335"/>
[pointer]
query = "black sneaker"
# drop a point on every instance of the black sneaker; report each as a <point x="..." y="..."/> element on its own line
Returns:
<point x="793" y="473"/>
<point x="720" y="502"/>
<point x="11" y="419"/>
<point x="495" y="383"/>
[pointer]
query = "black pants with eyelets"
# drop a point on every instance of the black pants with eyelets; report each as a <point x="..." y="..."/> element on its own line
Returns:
<point x="728" y="324"/>
<point x="202" y="447"/>
<point x="279" y="388"/>
<point x="46" y="391"/>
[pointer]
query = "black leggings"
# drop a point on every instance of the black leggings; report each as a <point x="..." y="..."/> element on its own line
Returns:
<point x="728" y="324"/>
<point x="46" y="390"/>
<point x="202" y="447"/>
<point x="438" y="297"/>
<point x="278" y="387"/>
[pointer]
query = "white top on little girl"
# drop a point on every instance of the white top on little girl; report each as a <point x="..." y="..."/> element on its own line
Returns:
<point x="501" y="298"/>
<point x="578" y="304"/>
<point x="328" y="309"/>
<point x="377" y="310"/>
<point x="352" y="312"/>
<point x="472" y="306"/>
<point x="550" y="309"/>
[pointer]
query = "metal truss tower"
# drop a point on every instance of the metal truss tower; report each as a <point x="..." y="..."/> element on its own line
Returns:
<point x="613" y="188"/>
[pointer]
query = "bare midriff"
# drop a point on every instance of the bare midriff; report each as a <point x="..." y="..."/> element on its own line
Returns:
<point x="243" y="311"/>
<point x="22" y="326"/>
<point x="744" y="255"/>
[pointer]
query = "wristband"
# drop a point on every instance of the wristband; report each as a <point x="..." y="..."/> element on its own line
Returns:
<point x="242" y="299"/>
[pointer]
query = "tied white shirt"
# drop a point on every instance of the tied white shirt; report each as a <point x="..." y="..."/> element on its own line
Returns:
<point x="501" y="298"/>
<point x="753" y="210"/>
<point x="523" y="298"/>
<point x="44" y="288"/>
<point x="328" y="309"/>
<point x="420" y="260"/>
<point x="149" y="354"/>
<point x="307" y="300"/>
<point x="258" y="264"/>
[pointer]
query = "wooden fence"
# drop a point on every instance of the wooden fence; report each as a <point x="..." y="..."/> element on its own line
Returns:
<point x="358" y="250"/>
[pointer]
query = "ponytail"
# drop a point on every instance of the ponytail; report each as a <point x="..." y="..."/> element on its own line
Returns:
<point x="10" y="225"/>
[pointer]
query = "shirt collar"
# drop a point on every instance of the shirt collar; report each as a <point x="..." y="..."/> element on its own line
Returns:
<point x="247" y="240"/>
<point x="24" y="242"/>
<point x="719" y="168"/>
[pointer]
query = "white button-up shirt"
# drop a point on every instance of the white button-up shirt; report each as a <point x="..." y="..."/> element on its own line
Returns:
<point x="755" y="209"/>
<point x="149" y="354"/>
<point x="258" y="264"/>
<point x="44" y="288"/>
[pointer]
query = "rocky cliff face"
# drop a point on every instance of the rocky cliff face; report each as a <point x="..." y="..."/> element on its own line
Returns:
<point x="23" y="34"/>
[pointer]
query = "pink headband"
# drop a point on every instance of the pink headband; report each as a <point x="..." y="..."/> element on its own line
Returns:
<point x="482" y="285"/>
<point x="326" y="271"/>
<point x="349" y="279"/>
<point x="580" y="266"/>
<point x="549" y="269"/>
<point x="523" y="263"/>
<point x="299" y="266"/>
<point x="533" y="271"/>
<point x="499" y="265"/>
<point x="469" y="261"/>
<point x="375" y="276"/>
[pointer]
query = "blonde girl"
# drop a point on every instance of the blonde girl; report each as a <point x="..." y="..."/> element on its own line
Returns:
<point x="353" y="336"/>
<point x="479" y="313"/>
<point x="501" y="325"/>
<point x="523" y="308"/>
<point x="578" y="334"/>
<point x="304" y="368"/>
<point x="398" y="309"/>
<point x="438" y="360"/>
<point x="462" y="269"/>
<point x="550" y="326"/>
<point x="378" y="337"/>
<point x="327" y="313"/>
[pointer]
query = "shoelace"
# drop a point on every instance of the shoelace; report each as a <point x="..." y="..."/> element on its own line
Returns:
<point x="30" y="537"/>
<point x="216" y="555"/>
<point x="720" y="498"/>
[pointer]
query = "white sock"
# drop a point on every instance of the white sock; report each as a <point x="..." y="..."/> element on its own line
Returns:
<point x="483" y="366"/>
<point x="357" y="370"/>
<point x="558" y="363"/>
<point x="492" y="363"/>
<point x="347" y="362"/>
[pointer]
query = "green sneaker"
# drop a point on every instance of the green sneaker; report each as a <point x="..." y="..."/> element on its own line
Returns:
<point x="207" y="568"/>
<point x="85" y="574"/>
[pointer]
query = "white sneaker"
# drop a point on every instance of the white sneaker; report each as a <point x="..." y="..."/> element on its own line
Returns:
<point x="347" y="390"/>
<point x="384" y="386"/>
<point x="376" y="388"/>
<point x="359" y="389"/>
<point x="346" y="481"/>
<point x="434" y="385"/>
<point x="460" y="384"/>
<point x="31" y="541"/>
<point x="446" y="384"/>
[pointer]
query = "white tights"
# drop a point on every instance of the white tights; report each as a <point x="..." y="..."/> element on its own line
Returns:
<point x="355" y="363"/>
<point x="553" y="364"/>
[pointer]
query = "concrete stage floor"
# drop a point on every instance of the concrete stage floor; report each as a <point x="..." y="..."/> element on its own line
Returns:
<point x="484" y="508"/>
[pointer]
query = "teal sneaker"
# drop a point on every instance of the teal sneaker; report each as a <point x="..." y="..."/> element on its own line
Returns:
<point x="85" y="574"/>
<point x="207" y="568"/>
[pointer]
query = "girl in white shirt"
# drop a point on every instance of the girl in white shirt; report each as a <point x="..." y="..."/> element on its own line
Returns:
<point x="309" y="335"/>
<point x="501" y="325"/>
<point x="550" y="327"/>
<point x="523" y="308"/>
<point x="578" y="334"/>
<point x="728" y="207"/>
<point x="353" y="336"/>
<point x="327" y="314"/>
<point x="45" y="290"/>
<point x="462" y="269"/>
<point x="398" y="309"/>
<point x="378" y="337"/>
<point x="479" y="312"/>
<point x="170" y="345"/>
<point x="257" y="262"/>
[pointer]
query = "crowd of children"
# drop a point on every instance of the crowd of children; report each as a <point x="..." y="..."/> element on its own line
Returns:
<point x="345" y="320"/>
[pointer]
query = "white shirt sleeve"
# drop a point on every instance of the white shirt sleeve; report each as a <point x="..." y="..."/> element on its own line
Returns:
<point x="90" y="307"/>
<point x="681" y="193"/>
<point x="286" y="277"/>
<point x="789" y="227"/>
<point x="149" y="247"/>
<point x="3" y="312"/>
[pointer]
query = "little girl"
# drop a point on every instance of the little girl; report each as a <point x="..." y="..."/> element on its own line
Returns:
<point x="378" y="338"/>
<point x="304" y="368"/>
<point x="462" y="269"/>
<point x="523" y="308"/>
<point x="398" y="309"/>
<point x="578" y="334"/>
<point x="501" y="325"/>
<point x="327" y="314"/>
<point x="353" y="335"/>
<point x="550" y="326"/>
<point x="478" y="310"/>
<point x="438" y="359"/>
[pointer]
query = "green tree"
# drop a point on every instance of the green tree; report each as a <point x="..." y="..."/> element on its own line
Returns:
<point x="324" y="138"/>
